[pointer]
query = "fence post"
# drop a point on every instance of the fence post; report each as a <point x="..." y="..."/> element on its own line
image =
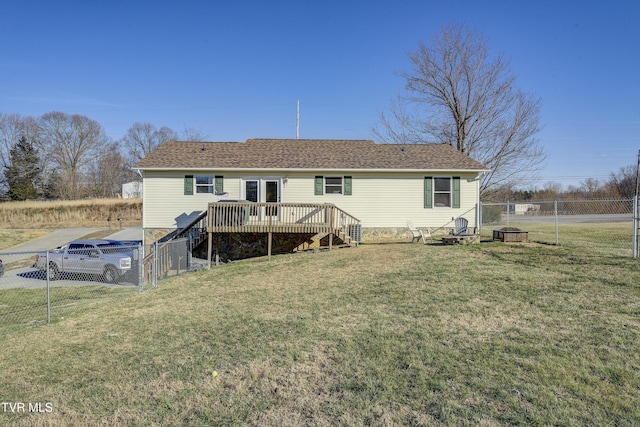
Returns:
<point x="636" y="224"/>
<point x="508" y="211"/>
<point x="479" y="216"/>
<point x="140" y="267"/>
<point x="555" y="214"/>
<point x="48" y="292"/>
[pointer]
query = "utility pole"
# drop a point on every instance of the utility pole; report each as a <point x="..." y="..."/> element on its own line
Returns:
<point x="298" y="120"/>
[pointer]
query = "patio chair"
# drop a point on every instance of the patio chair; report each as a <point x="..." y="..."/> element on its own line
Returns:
<point x="461" y="227"/>
<point x="418" y="234"/>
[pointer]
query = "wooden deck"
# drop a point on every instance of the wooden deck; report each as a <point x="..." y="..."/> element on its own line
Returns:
<point x="289" y="222"/>
<point x="281" y="218"/>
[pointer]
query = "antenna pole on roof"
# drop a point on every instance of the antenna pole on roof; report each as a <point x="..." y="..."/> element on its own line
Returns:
<point x="298" y="120"/>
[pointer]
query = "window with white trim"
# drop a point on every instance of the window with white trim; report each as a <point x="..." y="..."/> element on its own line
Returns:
<point x="205" y="184"/>
<point x="442" y="192"/>
<point x="333" y="185"/>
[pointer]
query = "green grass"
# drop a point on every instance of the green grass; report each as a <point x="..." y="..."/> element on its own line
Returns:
<point x="393" y="334"/>
<point x="25" y="308"/>
<point x="613" y="238"/>
<point x="9" y="238"/>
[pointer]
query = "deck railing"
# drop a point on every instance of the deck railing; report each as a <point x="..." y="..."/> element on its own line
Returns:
<point x="239" y="217"/>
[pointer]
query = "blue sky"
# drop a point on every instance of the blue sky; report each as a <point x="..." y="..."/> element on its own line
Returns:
<point x="235" y="69"/>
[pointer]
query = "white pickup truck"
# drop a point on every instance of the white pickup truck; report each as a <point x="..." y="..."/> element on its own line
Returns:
<point x="109" y="259"/>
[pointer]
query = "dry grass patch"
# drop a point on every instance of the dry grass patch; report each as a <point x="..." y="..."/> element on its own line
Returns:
<point x="70" y="213"/>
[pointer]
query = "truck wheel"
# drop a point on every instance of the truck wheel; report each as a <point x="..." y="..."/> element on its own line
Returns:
<point x="110" y="274"/>
<point x="54" y="273"/>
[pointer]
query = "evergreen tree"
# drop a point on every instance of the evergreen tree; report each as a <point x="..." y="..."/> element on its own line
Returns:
<point x="23" y="171"/>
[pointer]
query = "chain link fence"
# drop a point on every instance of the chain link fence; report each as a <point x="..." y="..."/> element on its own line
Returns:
<point x="168" y="259"/>
<point x="46" y="286"/>
<point x="607" y="226"/>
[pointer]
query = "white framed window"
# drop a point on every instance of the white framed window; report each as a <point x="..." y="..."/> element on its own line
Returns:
<point x="333" y="185"/>
<point x="205" y="184"/>
<point x="442" y="192"/>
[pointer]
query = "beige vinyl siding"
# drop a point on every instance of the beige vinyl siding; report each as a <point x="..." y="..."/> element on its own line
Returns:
<point x="386" y="200"/>
<point x="166" y="206"/>
<point x="378" y="199"/>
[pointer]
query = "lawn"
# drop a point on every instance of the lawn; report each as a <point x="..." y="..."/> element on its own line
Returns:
<point x="389" y="334"/>
<point x="9" y="238"/>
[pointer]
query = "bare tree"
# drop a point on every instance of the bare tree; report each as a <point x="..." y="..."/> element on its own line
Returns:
<point x="143" y="138"/>
<point x="10" y="132"/>
<point x="71" y="142"/>
<point x="624" y="181"/>
<point x="194" y="135"/>
<point x="457" y="94"/>
<point x="108" y="172"/>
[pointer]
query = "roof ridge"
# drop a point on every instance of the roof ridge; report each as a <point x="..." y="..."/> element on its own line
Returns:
<point x="312" y="154"/>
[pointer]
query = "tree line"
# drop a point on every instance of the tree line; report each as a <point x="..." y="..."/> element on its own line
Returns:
<point x="70" y="156"/>
<point x="620" y="184"/>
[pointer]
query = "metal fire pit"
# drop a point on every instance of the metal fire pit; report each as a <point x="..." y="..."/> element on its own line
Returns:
<point x="511" y="234"/>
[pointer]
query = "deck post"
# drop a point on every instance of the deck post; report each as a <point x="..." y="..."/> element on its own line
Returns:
<point x="210" y="235"/>
<point x="330" y="227"/>
<point x="270" y="236"/>
<point x="217" y="249"/>
<point x="209" y="249"/>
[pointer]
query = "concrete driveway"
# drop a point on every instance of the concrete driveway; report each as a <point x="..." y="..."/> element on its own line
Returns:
<point x="63" y="236"/>
<point x="28" y="277"/>
<point x="31" y="278"/>
<point x="58" y="238"/>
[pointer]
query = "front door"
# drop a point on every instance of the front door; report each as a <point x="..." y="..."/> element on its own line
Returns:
<point x="262" y="190"/>
<point x="272" y="195"/>
<point x="252" y="193"/>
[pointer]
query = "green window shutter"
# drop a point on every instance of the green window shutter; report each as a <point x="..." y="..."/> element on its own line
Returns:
<point x="428" y="192"/>
<point x="219" y="187"/>
<point x="188" y="185"/>
<point x="455" y="192"/>
<point x="347" y="185"/>
<point x="318" y="187"/>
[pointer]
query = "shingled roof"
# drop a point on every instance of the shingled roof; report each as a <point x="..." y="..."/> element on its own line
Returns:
<point x="314" y="154"/>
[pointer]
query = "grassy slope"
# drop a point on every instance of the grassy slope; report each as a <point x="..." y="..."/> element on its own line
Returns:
<point x="383" y="334"/>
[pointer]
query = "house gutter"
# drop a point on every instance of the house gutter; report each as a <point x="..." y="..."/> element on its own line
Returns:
<point x="481" y="172"/>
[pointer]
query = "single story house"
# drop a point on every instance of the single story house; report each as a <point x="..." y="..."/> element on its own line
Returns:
<point x="383" y="185"/>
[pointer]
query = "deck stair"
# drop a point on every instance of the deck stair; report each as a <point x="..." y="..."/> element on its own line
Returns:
<point x="195" y="231"/>
<point x="243" y="229"/>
